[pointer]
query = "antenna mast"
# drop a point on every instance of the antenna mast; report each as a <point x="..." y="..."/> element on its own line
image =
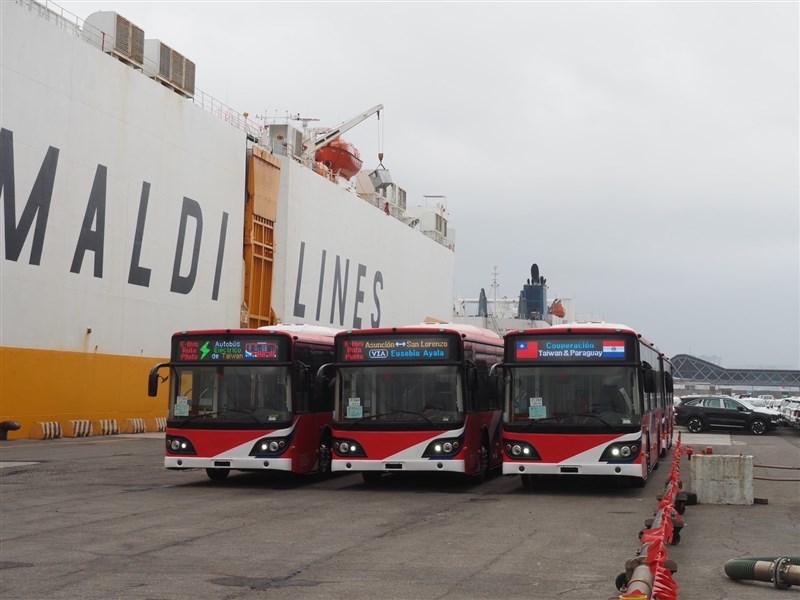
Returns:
<point x="495" y="285"/>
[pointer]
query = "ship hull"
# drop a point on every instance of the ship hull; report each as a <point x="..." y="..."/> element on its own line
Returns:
<point x="123" y="221"/>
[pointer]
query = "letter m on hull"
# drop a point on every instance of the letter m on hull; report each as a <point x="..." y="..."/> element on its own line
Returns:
<point x="37" y="208"/>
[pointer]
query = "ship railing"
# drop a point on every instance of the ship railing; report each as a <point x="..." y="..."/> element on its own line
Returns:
<point x="438" y="237"/>
<point x="227" y="114"/>
<point x="50" y="11"/>
<point x="61" y="17"/>
<point x="380" y="202"/>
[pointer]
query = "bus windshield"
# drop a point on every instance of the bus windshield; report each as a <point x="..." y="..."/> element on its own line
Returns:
<point x="400" y="393"/>
<point x="247" y="393"/>
<point x="590" y="396"/>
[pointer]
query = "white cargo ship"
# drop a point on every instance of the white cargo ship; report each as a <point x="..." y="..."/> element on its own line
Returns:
<point x="135" y="206"/>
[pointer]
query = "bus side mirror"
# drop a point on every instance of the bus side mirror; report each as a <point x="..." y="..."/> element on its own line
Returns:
<point x="669" y="383"/>
<point x="498" y="379"/>
<point x="649" y="380"/>
<point x="472" y="377"/>
<point x="153" y="380"/>
<point x="303" y="376"/>
<point x="322" y="380"/>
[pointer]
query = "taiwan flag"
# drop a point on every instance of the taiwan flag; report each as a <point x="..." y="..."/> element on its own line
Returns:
<point x="615" y="349"/>
<point x="527" y="350"/>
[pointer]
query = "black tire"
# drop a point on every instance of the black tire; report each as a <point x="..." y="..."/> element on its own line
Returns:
<point x="483" y="467"/>
<point x="218" y="474"/>
<point x="621" y="582"/>
<point x="528" y="482"/>
<point x="372" y="477"/>
<point x="758" y="427"/>
<point x="694" y="425"/>
<point x="637" y="482"/>
<point x="324" y="461"/>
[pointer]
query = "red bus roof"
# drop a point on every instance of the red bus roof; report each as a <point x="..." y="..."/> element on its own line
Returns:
<point x="465" y="331"/>
<point x="306" y="333"/>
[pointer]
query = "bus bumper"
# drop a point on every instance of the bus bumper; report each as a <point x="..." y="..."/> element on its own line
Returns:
<point x="237" y="464"/>
<point x="537" y="468"/>
<point x="398" y="466"/>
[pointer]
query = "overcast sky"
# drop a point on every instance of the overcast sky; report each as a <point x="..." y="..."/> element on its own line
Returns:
<point x="645" y="155"/>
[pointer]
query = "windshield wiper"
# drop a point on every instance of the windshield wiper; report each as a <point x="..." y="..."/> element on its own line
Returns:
<point x="223" y="411"/>
<point x="561" y="415"/>
<point x="393" y="412"/>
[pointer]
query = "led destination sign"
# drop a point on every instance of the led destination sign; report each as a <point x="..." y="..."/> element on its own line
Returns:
<point x="221" y="349"/>
<point x="569" y="349"/>
<point x="397" y="348"/>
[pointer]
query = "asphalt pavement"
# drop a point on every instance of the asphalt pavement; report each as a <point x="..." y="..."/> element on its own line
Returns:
<point x="101" y="518"/>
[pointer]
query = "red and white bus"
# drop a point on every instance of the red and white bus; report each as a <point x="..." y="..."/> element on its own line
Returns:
<point x="585" y="399"/>
<point x="416" y="398"/>
<point x="245" y="399"/>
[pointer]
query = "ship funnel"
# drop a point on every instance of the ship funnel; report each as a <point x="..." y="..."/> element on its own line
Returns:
<point x="534" y="273"/>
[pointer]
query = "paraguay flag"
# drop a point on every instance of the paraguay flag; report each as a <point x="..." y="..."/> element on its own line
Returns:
<point x="614" y="349"/>
<point x="527" y="350"/>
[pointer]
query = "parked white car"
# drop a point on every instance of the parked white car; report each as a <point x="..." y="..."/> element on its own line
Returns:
<point x="757" y="402"/>
<point x="790" y="412"/>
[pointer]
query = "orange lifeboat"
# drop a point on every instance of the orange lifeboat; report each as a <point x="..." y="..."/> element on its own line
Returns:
<point x="557" y="309"/>
<point x="340" y="157"/>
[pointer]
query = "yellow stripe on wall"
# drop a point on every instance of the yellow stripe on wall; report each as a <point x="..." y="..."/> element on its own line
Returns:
<point x="49" y="385"/>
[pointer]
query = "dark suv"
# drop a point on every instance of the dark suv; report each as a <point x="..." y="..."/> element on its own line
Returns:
<point x="699" y="413"/>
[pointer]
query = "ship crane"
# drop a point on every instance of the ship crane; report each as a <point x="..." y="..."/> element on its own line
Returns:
<point x="313" y="143"/>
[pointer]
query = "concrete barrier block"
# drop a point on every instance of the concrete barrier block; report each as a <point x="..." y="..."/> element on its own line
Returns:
<point x="45" y="430"/>
<point x="722" y="479"/>
<point x="133" y="426"/>
<point x="156" y="424"/>
<point x="78" y="428"/>
<point x="105" y="427"/>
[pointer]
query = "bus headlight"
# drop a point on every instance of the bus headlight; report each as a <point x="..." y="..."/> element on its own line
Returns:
<point x="621" y="451"/>
<point x="443" y="448"/>
<point x="179" y="445"/>
<point x="519" y="450"/>
<point x="270" y="446"/>
<point x="342" y="447"/>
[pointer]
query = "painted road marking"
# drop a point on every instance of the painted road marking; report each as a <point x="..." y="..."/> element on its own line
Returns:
<point x="705" y="439"/>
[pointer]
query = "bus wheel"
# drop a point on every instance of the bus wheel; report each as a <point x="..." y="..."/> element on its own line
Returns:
<point x="217" y="474"/>
<point x="483" y="467"/>
<point x="372" y="477"/>
<point x="324" y="465"/>
<point x="527" y="482"/>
